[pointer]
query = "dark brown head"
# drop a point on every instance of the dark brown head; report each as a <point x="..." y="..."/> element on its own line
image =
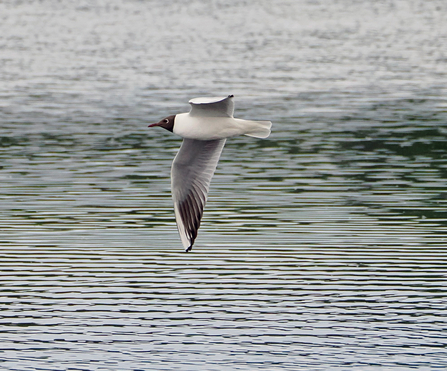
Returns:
<point x="167" y="123"/>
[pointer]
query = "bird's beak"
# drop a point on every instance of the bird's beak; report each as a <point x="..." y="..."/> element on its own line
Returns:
<point x="152" y="125"/>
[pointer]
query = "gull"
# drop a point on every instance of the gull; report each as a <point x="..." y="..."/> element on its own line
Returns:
<point x="204" y="130"/>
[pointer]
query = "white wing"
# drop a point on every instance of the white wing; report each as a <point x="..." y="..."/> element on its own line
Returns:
<point x="191" y="174"/>
<point x="212" y="107"/>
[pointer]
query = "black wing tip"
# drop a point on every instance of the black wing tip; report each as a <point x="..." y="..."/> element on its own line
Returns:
<point x="231" y="96"/>
<point x="188" y="249"/>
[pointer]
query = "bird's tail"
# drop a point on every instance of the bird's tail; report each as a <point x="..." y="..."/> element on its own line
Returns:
<point x="257" y="129"/>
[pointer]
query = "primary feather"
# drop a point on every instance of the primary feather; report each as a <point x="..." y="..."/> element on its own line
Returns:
<point x="191" y="174"/>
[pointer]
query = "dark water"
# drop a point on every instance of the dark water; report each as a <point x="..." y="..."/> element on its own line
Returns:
<point x="323" y="247"/>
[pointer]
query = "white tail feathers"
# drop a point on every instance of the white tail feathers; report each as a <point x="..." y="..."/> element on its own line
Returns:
<point x="257" y="129"/>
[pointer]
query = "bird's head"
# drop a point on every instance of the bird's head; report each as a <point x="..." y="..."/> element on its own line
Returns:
<point x="167" y="123"/>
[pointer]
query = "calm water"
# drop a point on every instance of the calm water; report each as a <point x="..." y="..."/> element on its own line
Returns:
<point x="323" y="247"/>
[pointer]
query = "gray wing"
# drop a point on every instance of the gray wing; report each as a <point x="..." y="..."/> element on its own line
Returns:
<point x="191" y="174"/>
<point x="212" y="107"/>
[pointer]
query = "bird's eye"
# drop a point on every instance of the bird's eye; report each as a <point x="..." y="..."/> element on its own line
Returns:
<point x="166" y="121"/>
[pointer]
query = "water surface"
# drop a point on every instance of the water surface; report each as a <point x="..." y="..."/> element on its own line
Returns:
<point x="322" y="247"/>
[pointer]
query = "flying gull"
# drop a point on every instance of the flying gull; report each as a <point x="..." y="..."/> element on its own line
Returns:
<point x="204" y="131"/>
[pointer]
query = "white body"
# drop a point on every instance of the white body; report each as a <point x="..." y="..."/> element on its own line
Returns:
<point x="211" y="128"/>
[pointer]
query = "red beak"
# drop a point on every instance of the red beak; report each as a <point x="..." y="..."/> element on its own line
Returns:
<point x="151" y="125"/>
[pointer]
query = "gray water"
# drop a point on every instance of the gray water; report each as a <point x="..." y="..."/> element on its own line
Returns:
<point x="323" y="247"/>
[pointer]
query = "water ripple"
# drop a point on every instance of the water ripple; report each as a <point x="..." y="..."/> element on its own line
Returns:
<point x="323" y="247"/>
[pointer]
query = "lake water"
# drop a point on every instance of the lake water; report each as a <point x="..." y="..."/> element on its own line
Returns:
<point x="323" y="247"/>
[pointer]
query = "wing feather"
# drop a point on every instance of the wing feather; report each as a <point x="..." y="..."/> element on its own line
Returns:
<point x="212" y="107"/>
<point x="192" y="171"/>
